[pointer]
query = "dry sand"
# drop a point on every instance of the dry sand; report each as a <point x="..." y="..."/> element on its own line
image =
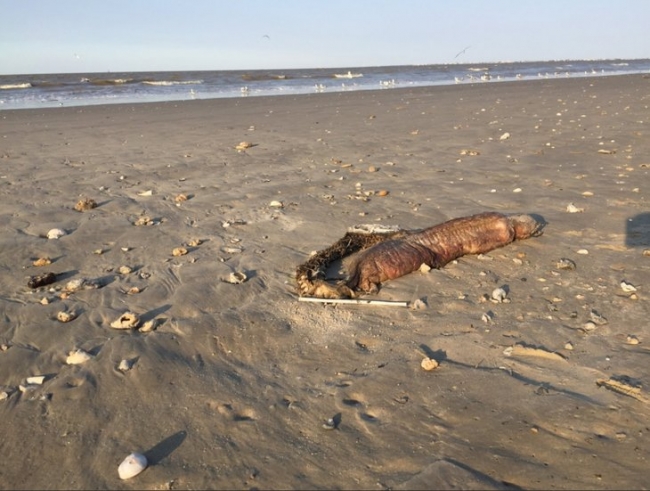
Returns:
<point x="234" y="386"/>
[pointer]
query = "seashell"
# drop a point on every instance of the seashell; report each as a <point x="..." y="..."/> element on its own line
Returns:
<point x="179" y="251"/>
<point x="588" y="193"/>
<point x="144" y="220"/>
<point x="499" y="295"/>
<point x="486" y="317"/>
<point x="56" y="233"/>
<point x="125" y="365"/>
<point x="419" y="304"/>
<point x="99" y="252"/>
<point x="133" y="290"/>
<point x="195" y="242"/>
<point x="584" y="252"/>
<point x="36" y="380"/>
<point x="41" y="280"/>
<point x="232" y="250"/>
<point x="470" y="152"/>
<point x="276" y="204"/>
<point x="568" y="346"/>
<point x="181" y="198"/>
<point x="646" y="252"/>
<point x="330" y="424"/>
<point x="149" y="326"/>
<point x="148" y="192"/>
<point x="132" y="465"/>
<point x="382" y="192"/>
<point x="372" y="168"/>
<point x="589" y="326"/>
<point x="517" y="190"/>
<point x="75" y="285"/>
<point x="236" y="278"/>
<point x="429" y="364"/>
<point x="627" y="287"/>
<point x="505" y="136"/>
<point x="424" y="268"/>
<point x="566" y="264"/>
<point x="631" y="339"/>
<point x="85" y="204"/>
<point x="597" y="318"/>
<point x="66" y="316"/>
<point x="42" y="261"/>
<point x="128" y="320"/>
<point x="604" y="151"/>
<point x="571" y="208"/>
<point x="125" y="270"/>
<point x="77" y="357"/>
<point x="244" y="145"/>
<point x="4" y="395"/>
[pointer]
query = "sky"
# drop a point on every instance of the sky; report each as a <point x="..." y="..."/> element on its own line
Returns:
<point x="80" y="36"/>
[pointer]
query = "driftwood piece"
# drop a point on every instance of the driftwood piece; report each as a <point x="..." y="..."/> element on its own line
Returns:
<point x="386" y="255"/>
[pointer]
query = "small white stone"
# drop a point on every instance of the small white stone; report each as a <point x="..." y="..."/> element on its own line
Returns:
<point x="499" y="295"/>
<point x="132" y="465"/>
<point x="276" y="204"/>
<point x="505" y="136"/>
<point x="583" y="251"/>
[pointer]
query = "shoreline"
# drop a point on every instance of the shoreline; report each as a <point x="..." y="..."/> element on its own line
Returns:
<point x="238" y="385"/>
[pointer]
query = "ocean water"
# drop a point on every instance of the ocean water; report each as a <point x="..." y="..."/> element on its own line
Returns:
<point x="39" y="91"/>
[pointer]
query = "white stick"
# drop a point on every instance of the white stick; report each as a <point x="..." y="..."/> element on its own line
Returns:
<point x="355" y="301"/>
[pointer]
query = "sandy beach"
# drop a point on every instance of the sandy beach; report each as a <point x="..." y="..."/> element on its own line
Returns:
<point x="227" y="385"/>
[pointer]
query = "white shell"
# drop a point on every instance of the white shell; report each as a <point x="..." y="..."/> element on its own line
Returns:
<point x="499" y="295"/>
<point x="36" y="380"/>
<point x="132" y="465"/>
<point x="55" y="233"/>
<point x="627" y="287"/>
<point x="77" y="357"/>
<point x="128" y="320"/>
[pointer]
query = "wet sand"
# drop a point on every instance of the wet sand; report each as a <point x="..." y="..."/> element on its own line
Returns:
<point x="242" y="386"/>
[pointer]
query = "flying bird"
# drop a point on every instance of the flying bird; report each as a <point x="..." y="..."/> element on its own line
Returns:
<point x="461" y="52"/>
<point x="267" y="37"/>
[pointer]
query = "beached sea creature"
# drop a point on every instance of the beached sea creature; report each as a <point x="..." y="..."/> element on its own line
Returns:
<point x="85" y="204"/>
<point x="56" y="233"/>
<point x="132" y="465"/>
<point x="128" y="320"/>
<point x="388" y="255"/>
<point x="41" y="280"/>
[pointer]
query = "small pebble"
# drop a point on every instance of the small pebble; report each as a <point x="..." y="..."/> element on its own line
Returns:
<point x="499" y="295"/>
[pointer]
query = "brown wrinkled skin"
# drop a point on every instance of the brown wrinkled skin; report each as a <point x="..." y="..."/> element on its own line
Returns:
<point x="390" y="256"/>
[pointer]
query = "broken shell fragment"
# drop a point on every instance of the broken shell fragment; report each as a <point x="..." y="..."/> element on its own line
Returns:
<point x="77" y="357"/>
<point x="141" y="221"/>
<point x="42" y="261"/>
<point x="128" y="320"/>
<point x="179" y="251"/>
<point x="35" y="380"/>
<point x="499" y="295"/>
<point x="383" y="192"/>
<point x="627" y="287"/>
<point x="80" y="284"/>
<point x="132" y="465"/>
<point x="41" y="280"/>
<point x="125" y="365"/>
<point x="244" y="145"/>
<point x="181" y="198"/>
<point x="55" y="233"/>
<point x="125" y="270"/>
<point x="236" y="278"/>
<point x="566" y="264"/>
<point x="195" y="242"/>
<point x="429" y="364"/>
<point x="571" y="208"/>
<point x="149" y="326"/>
<point x="85" y="204"/>
<point x="631" y="339"/>
<point x="66" y="316"/>
<point x="276" y="204"/>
